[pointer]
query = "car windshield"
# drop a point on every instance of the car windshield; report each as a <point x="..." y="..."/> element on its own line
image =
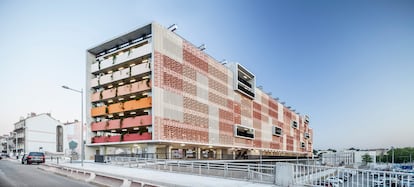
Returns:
<point x="36" y="154"/>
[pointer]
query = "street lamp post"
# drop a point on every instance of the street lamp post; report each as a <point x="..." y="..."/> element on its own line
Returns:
<point x="392" y="148"/>
<point x="82" y="144"/>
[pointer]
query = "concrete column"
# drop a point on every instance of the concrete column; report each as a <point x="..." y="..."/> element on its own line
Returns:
<point x="169" y="151"/>
<point x="102" y="150"/>
<point x="198" y="153"/>
<point x="284" y="174"/>
<point x="151" y="150"/>
<point x="219" y="153"/>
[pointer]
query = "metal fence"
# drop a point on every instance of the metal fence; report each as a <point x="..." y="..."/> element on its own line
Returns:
<point x="264" y="173"/>
<point x="313" y="175"/>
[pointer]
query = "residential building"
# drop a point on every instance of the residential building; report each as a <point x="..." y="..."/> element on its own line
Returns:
<point x="39" y="133"/>
<point x="347" y="157"/>
<point x="72" y="133"/>
<point x="4" y="144"/>
<point x="152" y="92"/>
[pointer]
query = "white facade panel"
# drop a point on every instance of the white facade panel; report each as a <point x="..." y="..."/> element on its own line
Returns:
<point x="173" y="106"/>
<point x="213" y="125"/>
<point x="267" y="132"/>
<point x="202" y="87"/>
<point x="140" y="69"/>
<point x="280" y="111"/>
<point x="106" y="63"/>
<point x="140" y="51"/>
<point x="94" y="82"/>
<point x="94" y="67"/>
<point x="121" y="57"/>
<point x="105" y="79"/>
<point x="167" y="42"/>
<point x="116" y="75"/>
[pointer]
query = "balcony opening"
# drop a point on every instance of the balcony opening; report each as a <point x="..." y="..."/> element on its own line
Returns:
<point x="243" y="132"/>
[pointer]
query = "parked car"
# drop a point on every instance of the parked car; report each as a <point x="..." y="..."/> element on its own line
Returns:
<point x="33" y="157"/>
<point x="335" y="180"/>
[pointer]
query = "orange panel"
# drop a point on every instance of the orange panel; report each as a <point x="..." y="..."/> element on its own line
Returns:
<point x="96" y="96"/>
<point x="138" y="104"/>
<point x="98" y="111"/>
<point x="130" y="105"/>
<point x="145" y="102"/>
<point x="115" y="108"/>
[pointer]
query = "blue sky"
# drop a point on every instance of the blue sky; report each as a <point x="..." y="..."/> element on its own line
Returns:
<point x="348" y="64"/>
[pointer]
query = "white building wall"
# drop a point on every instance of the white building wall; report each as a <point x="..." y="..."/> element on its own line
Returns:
<point x="41" y="132"/>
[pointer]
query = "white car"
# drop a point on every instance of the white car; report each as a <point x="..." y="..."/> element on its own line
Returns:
<point x="335" y="180"/>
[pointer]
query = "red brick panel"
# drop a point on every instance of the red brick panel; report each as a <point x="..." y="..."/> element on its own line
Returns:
<point x="212" y="97"/>
<point x="189" y="88"/>
<point x="195" y="120"/>
<point x="256" y="106"/>
<point x="289" y="142"/>
<point x="221" y="76"/>
<point x="257" y="115"/>
<point x="257" y="143"/>
<point x="219" y="87"/>
<point x="226" y="133"/>
<point x="172" y="81"/>
<point x="195" y="105"/>
<point x="195" y="61"/>
<point x="273" y="114"/>
<point x="189" y="72"/>
<point x="172" y="65"/>
<point x="237" y="119"/>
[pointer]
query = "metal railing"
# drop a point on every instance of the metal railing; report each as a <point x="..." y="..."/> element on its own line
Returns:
<point x="264" y="173"/>
<point x="313" y="175"/>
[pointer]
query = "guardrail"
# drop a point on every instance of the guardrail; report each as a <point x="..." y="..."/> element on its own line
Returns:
<point x="313" y="175"/>
<point x="264" y="173"/>
<point x="102" y="178"/>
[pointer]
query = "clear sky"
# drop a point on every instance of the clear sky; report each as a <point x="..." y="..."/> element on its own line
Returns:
<point x="347" y="64"/>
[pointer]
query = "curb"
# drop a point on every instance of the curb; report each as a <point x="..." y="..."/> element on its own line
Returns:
<point x="102" y="178"/>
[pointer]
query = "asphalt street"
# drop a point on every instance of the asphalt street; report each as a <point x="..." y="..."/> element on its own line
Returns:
<point x="13" y="173"/>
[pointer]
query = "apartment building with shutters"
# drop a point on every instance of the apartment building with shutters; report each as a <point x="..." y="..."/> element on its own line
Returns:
<point x="151" y="92"/>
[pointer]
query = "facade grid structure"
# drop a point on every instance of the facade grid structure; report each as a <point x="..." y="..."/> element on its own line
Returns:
<point x="153" y="92"/>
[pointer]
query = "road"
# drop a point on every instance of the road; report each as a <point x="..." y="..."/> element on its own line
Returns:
<point x="13" y="173"/>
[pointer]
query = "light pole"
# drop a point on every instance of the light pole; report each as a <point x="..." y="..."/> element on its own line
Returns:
<point x="392" y="148"/>
<point x="82" y="144"/>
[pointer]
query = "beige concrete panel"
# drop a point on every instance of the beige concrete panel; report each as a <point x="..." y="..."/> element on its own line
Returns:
<point x="248" y="122"/>
<point x="173" y="106"/>
<point x="213" y="125"/>
<point x="280" y="111"/>
<point x="158" y="101"/>
<point x="266" y="132"/>
<point x="202" y="88"/>
<point x="230" y="85"/>
<point x="259" y="94"/>
<point x="167" y="42"/>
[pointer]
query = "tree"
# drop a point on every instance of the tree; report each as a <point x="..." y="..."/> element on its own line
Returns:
<point x="366" y="159"/>
<point x="73" y="145"/>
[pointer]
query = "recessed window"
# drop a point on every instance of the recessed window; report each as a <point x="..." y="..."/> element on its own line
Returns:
<point x="277" y="131"/>
<point x="294" y="124"/>
<point x="307" y="135"/>
<point x="302" y="144"/>
<point x="243" y="132"/>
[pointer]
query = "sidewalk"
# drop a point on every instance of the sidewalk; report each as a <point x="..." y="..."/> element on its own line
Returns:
<point x="175" y="179"/>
